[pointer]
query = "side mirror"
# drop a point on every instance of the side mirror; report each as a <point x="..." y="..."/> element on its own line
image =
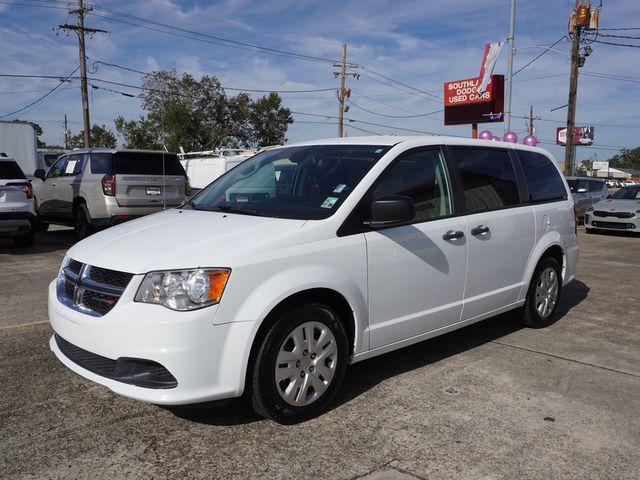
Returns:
<point x="391" y="210"/>
<point x="39" y="173"/>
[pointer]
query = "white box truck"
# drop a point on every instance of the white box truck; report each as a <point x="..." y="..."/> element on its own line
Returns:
<point x="18" y="141"/>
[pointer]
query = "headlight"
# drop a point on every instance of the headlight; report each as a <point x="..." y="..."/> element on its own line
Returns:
<point x="183" y="289"/>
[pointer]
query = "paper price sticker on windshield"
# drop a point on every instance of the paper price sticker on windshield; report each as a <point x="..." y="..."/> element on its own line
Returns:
<point x="329" y="202"/>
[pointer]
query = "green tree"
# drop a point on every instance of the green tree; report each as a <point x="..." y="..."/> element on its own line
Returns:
<point x="269" y="121"/>
<point x="626" y="159"/>
<point x="198" y="115"/>
<point x="100" y="137"/>
<point x="142" y="134"/>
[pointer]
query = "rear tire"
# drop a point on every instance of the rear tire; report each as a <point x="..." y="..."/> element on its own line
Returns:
<point x="25" y="240"/>
<point x="81" y="224"/>
<point x="543" y="296"/>
<point x="300" y="364"/>
<point x="41" y="226"/>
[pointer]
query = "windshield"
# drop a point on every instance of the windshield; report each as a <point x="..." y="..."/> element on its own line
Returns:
<point x="627" y="193"/>
<point x="305" y="183"/>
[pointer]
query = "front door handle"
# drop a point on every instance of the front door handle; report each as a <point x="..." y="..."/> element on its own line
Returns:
<point x="453" y="235"/>
<point x="479" y="230"/>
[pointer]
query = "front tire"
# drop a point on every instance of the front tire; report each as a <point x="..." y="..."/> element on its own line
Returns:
<point x="24" y="240"/>
<point x="300" y="364"/>
<point x="543" y="296"/>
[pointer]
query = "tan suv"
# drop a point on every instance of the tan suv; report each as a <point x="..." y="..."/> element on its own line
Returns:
<point x="96" y="188"/>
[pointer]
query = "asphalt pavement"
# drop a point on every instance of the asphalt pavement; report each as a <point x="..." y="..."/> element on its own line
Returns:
<point x="490" y="401"/>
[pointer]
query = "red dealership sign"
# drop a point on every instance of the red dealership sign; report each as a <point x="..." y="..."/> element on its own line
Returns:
<point x="462" y="104"/>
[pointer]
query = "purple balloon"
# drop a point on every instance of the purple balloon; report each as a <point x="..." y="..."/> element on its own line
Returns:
<point x="496" y="139"/>
<point x="485" y="135"/>
<point x="530" y="140"/>
<point x="510" y="137"/>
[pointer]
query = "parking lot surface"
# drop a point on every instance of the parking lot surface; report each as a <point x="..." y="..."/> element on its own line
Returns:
<point x="493" y="400"/>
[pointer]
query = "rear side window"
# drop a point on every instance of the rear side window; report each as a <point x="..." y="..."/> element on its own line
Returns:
<point x="543" y="180"/>
<point x="488" y="179"/>
<point x="595" y="186"/>
<point x="10" y="170"/>
<point x="146" y="163"/>
<point x="101" y="163"/>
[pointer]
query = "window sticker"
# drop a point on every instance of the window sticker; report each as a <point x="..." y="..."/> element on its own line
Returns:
<point x="329" y="202"/>
<point x="339" y="188"/>
<point x="71" y="166"/>
<point x="278" y="172"/>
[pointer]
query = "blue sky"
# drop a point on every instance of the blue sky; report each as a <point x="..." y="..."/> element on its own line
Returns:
<point x="416" y="45"/>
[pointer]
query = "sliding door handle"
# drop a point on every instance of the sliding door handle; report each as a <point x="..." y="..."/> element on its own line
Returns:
<point x="453" y="235"/>
<point x="479" y="230"/>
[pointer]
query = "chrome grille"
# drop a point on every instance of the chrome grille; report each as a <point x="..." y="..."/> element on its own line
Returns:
<point x="91" y="290"/>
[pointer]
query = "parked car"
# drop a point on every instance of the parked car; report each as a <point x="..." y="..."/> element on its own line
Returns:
<point x="96" y="188"/>
<point x="371" y="244"/>
<point x="620" y="212"/>
<point x="17" y="212"/>
<point x="586" y="192"/>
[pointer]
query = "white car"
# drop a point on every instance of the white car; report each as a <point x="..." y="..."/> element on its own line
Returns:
<point x="17" y="210"/>
<point x="620" y="212"/>
<point x="309" y="257"/>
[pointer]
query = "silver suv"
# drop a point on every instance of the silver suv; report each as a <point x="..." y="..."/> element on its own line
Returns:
<point x="97" y="188"/>
<point x="586" y="192"/>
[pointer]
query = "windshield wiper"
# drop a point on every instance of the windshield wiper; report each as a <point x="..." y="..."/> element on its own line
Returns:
<point x="238" y="210"/>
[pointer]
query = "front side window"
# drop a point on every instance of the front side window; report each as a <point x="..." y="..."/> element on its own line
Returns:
<point x="543" y="180"/>
<point x="58" y="168"/>
<point x="419" y="174"/>
<point x="488" y="179"/>
<point x="306" y="182"/>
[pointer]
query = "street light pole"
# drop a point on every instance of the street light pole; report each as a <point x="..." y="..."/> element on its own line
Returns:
<point x="512" y="27"/>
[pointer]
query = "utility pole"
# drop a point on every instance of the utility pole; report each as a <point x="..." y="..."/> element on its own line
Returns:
<point x="80" y="30"/>
<point x="343" y="92"/>
<point x="531" y="128"/>
<point x="66" y="133"/>
<point x="571" y="108"/>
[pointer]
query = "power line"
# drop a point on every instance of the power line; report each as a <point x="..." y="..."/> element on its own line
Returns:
<point x="616" y="44"/>
<point x="39" y="99"/>
<point x="221" y="41"/>
<point x="395" y="116"/>
<point x="541" y="54"/>
<point x="619" y="36"/>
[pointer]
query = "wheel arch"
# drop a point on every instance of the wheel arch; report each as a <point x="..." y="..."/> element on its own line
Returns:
<point x="551" y="247"/>
<point x="324" y="295"/>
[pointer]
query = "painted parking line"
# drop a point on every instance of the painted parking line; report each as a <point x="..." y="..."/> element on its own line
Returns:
<point x="21" y="325"/>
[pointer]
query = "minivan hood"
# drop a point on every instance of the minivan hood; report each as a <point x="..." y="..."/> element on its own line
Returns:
<point x="180" y="239"/>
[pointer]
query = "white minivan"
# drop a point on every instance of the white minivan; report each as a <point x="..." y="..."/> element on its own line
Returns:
<point x="309" y="257"/>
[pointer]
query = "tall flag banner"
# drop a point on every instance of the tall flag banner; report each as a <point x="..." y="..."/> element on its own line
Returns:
<point x="491" y="52"/>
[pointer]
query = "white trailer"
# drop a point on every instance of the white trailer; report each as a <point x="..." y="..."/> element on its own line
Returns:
<point x="18" y="140"/>
<point x="204" y="167"/>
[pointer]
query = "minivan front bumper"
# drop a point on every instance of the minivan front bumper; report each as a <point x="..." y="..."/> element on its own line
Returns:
<point x="141" y="347"/>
